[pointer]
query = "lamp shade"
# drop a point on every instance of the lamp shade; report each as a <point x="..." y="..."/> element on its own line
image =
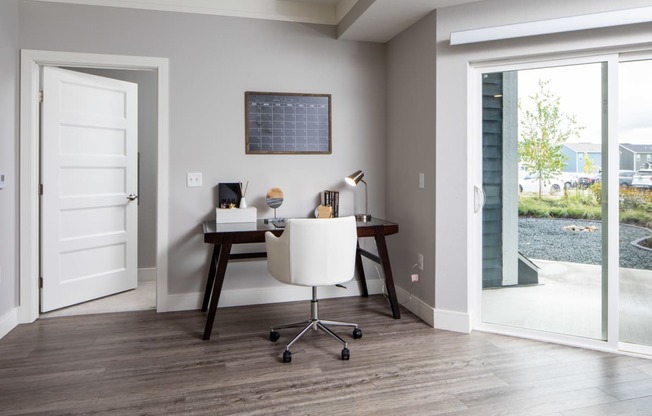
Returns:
<point x="354" y="178"/>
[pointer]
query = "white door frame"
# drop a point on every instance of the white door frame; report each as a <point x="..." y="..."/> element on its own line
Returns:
<point x="611" y="222"/>
<point x="29" y="228"/>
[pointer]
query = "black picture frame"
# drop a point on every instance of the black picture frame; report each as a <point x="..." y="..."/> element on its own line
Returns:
<point x="228" y="193"/>
<point x="287" y="123"/>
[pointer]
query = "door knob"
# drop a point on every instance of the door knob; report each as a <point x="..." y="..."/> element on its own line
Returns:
<point x="132" y="197"/>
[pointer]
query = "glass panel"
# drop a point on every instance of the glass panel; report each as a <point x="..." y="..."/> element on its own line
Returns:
<point x="542" y="229"/>
<point x="635" y="148"/>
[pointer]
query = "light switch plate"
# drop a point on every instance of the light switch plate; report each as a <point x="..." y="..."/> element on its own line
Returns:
<point x="194" y="179"/>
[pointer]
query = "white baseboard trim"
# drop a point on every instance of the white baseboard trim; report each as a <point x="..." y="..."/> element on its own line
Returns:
<point x="452" y="321"/>
<point x="257" y="296"/>
<point x="416" y="306"/>
<point x="436" y="318"/>
<point x="147" y="274"/>
<point x="8" y="322"/>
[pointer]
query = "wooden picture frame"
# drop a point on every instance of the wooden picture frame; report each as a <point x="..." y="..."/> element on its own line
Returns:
<point x="287" y="123"/>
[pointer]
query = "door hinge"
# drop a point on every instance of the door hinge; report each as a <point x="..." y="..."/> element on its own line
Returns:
<point x="40" y="96"/>
<point x="40" y="189"/>
<point x="40" y="282"/>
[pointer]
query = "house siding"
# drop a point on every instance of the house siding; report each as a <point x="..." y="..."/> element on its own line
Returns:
<point x="492" y="175"/>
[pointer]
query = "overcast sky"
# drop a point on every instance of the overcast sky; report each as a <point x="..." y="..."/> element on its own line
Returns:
<point x="579" y="88"/>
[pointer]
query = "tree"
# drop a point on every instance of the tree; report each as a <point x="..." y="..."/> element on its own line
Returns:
<point x="588" y="163"/>
<point x="543" y="131"/>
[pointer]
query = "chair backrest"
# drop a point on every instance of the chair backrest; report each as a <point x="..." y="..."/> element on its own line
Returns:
<point x="313" y="252"/>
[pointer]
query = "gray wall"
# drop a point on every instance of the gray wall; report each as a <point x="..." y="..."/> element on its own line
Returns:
<point x="9" y="156"/>
<point x="148" y="153"/>
<point x="213" y="61"/>
<point x="411" y="150"/>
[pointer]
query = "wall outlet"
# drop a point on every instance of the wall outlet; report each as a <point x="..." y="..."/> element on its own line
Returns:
<point x="420" y="261"/>
<point x="415" y="277"/>
<point x="422" y="181"/>
<point x="194" y="179"/>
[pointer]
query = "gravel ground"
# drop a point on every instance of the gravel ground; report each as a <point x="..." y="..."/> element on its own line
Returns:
<point x="546" y="239"/>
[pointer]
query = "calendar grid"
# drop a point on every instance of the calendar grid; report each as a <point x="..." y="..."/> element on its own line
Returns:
<point x="287" y="123"/>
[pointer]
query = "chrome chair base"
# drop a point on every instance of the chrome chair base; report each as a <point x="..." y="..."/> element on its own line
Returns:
<point x="316" y="324"/>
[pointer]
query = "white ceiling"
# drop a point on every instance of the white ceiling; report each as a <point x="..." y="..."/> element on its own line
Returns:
<point x="367" y="20"/>
<point x="384" y="19"/>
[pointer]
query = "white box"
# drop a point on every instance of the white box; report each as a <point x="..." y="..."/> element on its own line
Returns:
<point x="231" y="215"/>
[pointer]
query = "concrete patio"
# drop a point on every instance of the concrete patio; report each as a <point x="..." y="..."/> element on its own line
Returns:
<point x="568" y="301"/>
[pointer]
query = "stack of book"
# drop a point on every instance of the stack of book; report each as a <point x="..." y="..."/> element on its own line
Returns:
<point x="332" y="199"/>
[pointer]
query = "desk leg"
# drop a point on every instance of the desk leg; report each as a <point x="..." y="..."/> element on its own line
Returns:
<point x="362" y="280"/>
<point x="381" y="244"/>
<point x="211" y="278"/>
<point x="223" y="260"/>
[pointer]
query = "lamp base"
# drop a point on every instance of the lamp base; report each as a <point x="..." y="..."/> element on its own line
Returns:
<point x="362" y="217"/>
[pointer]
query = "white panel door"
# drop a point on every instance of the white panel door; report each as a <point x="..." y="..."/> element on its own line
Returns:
<point x="89" y="212"/>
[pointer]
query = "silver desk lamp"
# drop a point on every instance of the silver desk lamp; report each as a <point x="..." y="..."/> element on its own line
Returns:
<point x="353" y="180"/>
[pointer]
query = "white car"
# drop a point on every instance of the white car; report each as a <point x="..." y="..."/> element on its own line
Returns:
<point x="569" y="179"/>
<point x="642" y="179"/>
<point x="530" y="183"/>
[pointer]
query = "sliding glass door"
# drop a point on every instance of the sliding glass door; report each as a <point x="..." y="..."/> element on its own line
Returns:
<point x="567" y="223"/>
<point x="635" y="201"/>
<point x="542" y="230"/>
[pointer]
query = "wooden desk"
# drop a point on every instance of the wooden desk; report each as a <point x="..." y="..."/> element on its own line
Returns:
<point x="224" y="236"/>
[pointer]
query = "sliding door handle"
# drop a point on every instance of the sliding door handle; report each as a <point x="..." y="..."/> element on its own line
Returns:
<point x="479" y="198"/>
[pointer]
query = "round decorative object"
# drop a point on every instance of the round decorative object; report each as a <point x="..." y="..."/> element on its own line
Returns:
<point x="274" y="198"/>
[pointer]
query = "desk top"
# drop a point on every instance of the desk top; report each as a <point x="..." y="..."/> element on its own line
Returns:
<point x="252" y="232"/>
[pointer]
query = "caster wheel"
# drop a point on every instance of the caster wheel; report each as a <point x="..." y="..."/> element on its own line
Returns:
<point x="345" y="354"/>
<point x="287" y="356"/>
<point x="357" y="333"/>
<point x="274" y="336"/>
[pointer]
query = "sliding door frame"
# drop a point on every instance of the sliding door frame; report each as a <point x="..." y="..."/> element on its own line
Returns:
<point x="637" y="349"/>
<point x="610" y="265"/>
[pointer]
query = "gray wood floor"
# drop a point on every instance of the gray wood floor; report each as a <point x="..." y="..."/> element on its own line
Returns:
<point x="146" y="363"/>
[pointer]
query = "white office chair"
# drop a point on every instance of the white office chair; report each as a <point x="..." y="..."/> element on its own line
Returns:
<point x="313" y="252"/>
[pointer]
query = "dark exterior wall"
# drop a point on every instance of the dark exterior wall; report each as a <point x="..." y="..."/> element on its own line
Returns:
<point x="626" y="160"/>
<point x="492" y="174"/>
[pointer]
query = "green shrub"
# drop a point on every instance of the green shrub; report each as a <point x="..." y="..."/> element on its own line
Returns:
<point x="639" y="217"/>
<point x="635" y="205"/>
<point x="570" y="207"/>
<point x="596" y="190"/>
<point x="635" y="197"/>
<point x="586" y="198"/>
